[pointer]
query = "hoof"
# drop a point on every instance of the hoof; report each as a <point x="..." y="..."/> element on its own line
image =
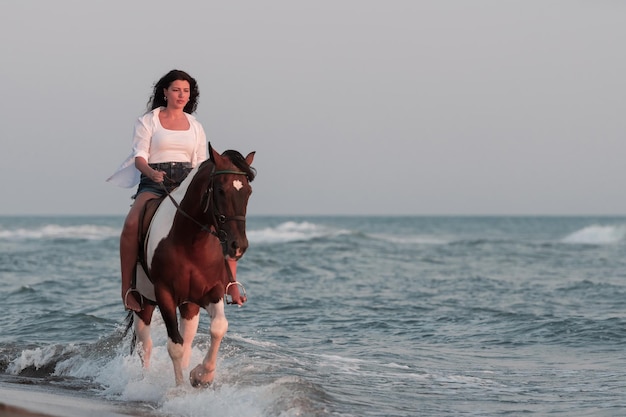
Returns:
<point x="200" y="385"/>
<point x="176" y="392"/>
<point x="200" y="377"/>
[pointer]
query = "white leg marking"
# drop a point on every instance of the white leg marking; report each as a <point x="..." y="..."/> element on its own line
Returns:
<point x="176" y="352"/>
<point x="142" y="331"/>
<point x="219" y="324"/>
<point x="205" y="372"/>
<point x="188" y="329"/>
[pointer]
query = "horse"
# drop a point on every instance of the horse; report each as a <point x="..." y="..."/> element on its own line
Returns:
<point x="193" y="232"/>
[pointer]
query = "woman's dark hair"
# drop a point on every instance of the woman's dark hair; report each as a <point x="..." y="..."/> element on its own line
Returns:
<point x="158" y="100"/>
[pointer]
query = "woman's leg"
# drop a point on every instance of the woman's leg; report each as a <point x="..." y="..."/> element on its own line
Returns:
<point x="129" y="247"/>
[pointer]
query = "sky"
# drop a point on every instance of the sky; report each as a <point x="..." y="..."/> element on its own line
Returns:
<point x="354" y="107"/>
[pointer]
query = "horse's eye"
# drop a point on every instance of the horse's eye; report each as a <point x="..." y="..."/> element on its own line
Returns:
<point x="221" y="191"/>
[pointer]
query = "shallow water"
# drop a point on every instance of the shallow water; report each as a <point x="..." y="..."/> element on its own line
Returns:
<point x="347" y="316"/>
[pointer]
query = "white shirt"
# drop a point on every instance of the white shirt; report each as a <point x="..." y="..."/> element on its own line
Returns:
<point x="155" y="144"/>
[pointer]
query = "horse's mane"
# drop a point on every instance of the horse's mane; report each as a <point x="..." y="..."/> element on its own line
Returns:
<point x="240" y="162"/>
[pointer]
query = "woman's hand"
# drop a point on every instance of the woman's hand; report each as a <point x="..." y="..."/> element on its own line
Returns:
<point x="142" y="165"/>
<point x="157" y="176"/>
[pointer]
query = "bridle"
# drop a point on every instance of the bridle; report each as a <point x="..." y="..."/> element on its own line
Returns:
<point x="209" y="197"/>
<point x="219" y="218"/>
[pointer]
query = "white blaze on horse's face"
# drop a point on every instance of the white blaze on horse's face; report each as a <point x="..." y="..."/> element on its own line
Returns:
<point x="237" y="184"/>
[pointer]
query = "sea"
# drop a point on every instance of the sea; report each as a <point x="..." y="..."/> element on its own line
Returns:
<point x="346" y="316"/>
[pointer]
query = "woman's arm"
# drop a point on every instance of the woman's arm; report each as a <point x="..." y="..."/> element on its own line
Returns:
<point x="201" y="145"/>
<point x="142" y="165"/>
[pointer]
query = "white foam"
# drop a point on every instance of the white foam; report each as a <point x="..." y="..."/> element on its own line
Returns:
<point x="340" y="359"/>
<point x="597" y="235"/>
<point x="291" y="231"/>
<point x="38" y="357"/>
<point x="253" y="342"/>
<point x="55" y="231"/>
<point x="412" y="240"/>
<point x="225" y="400"/>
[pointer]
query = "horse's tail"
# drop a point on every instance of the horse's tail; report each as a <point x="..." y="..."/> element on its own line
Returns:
<point x="130" y="319"/>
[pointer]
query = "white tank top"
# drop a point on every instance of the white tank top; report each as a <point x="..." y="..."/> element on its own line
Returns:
<point x="172" y="145"/>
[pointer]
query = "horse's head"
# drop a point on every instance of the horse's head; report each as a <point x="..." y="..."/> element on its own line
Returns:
<point x="228" y="198"/>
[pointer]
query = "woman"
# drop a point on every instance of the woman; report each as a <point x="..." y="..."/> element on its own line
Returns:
<point x="167" y="143"/>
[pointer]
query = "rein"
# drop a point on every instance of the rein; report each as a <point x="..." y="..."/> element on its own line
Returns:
<point x="203" y="227"/>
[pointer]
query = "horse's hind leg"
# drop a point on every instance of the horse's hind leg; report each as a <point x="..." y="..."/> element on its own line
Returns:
<point x="142" y="330"/>
<point x="204" y="373"/>
<point x="189" y="318"/>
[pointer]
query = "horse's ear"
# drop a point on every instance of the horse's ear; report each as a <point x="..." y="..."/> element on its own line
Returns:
<point x="250" y="158"/>
<point x="212" y="153"/>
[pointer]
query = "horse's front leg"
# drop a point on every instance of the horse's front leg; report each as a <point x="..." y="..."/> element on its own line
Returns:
<point x="175" y="340"/>
<point x="189" y="319"/>
<point x="203" y="374"/>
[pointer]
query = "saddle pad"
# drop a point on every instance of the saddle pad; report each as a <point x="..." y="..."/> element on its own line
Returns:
<point x="143" y="284"/>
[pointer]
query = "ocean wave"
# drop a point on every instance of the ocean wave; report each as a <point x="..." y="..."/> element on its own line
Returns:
<point x="250" y="341"/>
<point x="55" y="231"/>
<point x="597" y="235"/>
<point x="40" y="361"/>
<point x="305" y="231"/>
<point x="293" y="231"/>
<point x="412" y="239"/>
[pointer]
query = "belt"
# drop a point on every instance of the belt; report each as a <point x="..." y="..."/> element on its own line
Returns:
<point x="169" y="165"/>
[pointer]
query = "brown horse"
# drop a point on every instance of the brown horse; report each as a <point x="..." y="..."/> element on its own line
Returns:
<point x="193" y="232"/>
